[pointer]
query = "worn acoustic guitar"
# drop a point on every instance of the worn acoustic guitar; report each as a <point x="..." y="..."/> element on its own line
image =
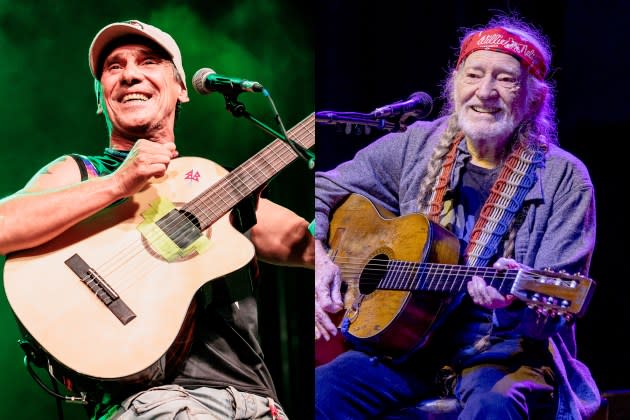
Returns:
<point x="108" y="297"/>
<point x="401" y="275"/>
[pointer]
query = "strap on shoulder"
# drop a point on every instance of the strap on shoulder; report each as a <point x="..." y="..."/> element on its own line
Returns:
<point x="81" y="163"/>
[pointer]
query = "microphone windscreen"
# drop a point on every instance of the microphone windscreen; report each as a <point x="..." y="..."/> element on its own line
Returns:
<point x="199" y="80"/>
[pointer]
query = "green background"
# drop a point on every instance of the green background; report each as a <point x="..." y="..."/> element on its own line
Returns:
<point x="48" y="109"/>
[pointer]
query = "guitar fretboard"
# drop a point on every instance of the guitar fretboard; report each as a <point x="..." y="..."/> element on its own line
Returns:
<point x="213" y="203"/>
<point x="409" y="276"/>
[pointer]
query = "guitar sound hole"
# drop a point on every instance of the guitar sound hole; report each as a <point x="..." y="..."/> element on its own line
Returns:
<point x="373" y="273"/>
<point x="181" y="226"/>
<point x="191" y="218"/>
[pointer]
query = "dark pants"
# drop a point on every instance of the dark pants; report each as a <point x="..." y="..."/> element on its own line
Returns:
<point x="357" y="386"/>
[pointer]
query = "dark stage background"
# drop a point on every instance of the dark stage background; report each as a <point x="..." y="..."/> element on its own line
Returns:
<point x="370" y="56"/>
<point x="48" y="109"/>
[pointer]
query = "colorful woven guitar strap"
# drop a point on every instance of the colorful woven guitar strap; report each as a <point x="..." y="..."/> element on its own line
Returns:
<point x="506" y="197"/>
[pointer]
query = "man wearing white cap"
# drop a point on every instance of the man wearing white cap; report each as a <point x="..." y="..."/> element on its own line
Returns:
<point x="140" y="83"/>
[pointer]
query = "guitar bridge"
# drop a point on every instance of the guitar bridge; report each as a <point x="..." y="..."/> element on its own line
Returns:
<point x="100" y="288"/>
<point x="353" y="311"/>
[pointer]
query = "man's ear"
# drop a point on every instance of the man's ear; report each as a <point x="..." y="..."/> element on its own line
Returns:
<point x="183" y="95"/>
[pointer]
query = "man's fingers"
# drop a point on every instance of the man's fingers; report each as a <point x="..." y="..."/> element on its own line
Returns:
<point x="487" y="296"/>
<point x="337" y="301"/>
<point x="324" y="323"/>
<point x="328" y="293"/>
<point x="506" y="263"/>
<point x="322" y="295"/>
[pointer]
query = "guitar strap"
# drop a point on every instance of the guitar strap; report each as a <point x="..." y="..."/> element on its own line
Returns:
<point x="516" y="178"/>
<point x="82" y="166"/>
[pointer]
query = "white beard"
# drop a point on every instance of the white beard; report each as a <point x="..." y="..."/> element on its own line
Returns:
<point x="487" y="130"/>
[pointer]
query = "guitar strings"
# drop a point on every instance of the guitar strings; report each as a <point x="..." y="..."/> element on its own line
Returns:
<point x="375" y="272"/>
<point x="538" y="287"/>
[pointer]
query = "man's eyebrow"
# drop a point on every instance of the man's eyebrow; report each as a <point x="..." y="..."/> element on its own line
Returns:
<point x="112" y="58"/>
<point x="501" y="68"/>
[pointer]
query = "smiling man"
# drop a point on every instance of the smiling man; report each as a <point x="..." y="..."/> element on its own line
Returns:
<point x="215" y="367"/>
<point x="490" y="171"/>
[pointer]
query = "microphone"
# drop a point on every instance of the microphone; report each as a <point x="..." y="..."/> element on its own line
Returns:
<point x="206" y="81"/>
<point x="419" y="103"/>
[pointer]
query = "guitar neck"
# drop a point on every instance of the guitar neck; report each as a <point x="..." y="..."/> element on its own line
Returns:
<point x="409" y="276"/>
<point x="213" y="203"/>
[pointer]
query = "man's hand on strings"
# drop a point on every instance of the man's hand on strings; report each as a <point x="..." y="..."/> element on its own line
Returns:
<point x="487" y="296"/>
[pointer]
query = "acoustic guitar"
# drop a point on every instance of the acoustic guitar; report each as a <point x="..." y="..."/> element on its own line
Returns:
<point x="401" y="275"/>
<point x="108" y="297"/>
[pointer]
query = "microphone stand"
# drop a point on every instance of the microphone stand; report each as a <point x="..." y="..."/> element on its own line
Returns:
<point x="368" y="120"/>
<point x="237" y="109"/>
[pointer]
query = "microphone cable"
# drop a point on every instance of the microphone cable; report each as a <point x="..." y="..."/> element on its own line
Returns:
<point x="302" y="152"/>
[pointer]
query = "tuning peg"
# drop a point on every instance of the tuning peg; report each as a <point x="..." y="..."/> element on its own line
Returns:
<point x="568" y="317"/>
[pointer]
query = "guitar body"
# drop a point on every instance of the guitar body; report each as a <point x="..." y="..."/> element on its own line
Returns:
<point x="401" y="275"/>
<point x="69" y="321"/>
<point x="390" y="322"/>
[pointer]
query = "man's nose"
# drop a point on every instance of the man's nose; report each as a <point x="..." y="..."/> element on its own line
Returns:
<point x="487" y="87"/>
<point x="131" y="74"/>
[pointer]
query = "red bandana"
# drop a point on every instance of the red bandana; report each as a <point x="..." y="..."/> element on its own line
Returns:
<point x="500" y="40"/>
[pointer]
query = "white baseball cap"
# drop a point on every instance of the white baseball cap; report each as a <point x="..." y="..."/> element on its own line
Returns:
<point x="134" y="27"/>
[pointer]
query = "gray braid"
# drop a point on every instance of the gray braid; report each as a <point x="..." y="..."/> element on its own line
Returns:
<point x="435" y="164"/>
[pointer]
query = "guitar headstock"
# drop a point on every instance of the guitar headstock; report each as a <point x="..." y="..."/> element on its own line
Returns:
<point x="555" y="293"/>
